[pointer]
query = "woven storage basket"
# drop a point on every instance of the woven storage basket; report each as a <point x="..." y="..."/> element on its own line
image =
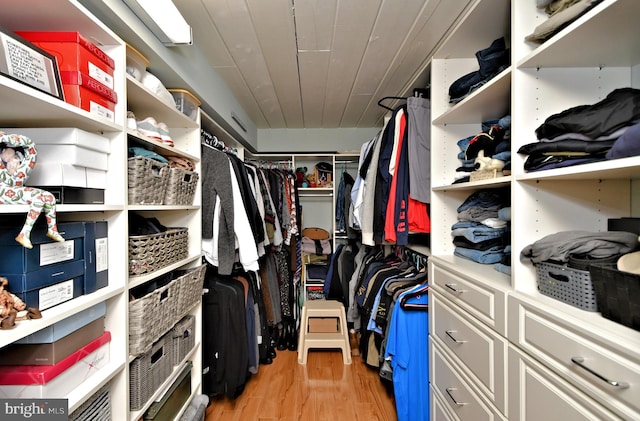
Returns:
<point x="96" y="408"/>
<point x="156" y="313"/>
<point x="566" y="284"/>
<point x="191" y="288"/>
<point x="149" y="371"/>
<point x="184" y="338"/>
<point x="181" y="187"/>
<point x="152" y="316"/>
<point x="151" y="252"/>
<point x="147" y="180"/>
<point x="618" y="294"/>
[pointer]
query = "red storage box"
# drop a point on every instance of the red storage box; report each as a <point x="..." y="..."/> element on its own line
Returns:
<point x="87" y="93"/>
<point x="75" y="52"/>
<point x="58" y="380"/>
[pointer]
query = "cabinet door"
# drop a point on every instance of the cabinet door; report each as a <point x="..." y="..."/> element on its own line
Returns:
<point x="599" y="367"/>
<point x="453" y="388"/>
<point x="475" y="347"/>
<point x="537" y="394"/>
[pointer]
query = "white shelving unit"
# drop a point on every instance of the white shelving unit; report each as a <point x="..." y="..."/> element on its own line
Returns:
<point x="22" y="106"/>
<point x="523" y="341"/>
<point x="185" y="133"/>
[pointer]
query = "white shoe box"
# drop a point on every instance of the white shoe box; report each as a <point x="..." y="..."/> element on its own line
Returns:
<point x="74" y="155"/>
<point x="56" y="174"/>
<point x="64" y="136"/>
<point x="67" y="145"/>
<point x="96" y="179"/>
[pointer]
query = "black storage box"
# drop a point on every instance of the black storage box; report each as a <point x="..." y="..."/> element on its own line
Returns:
<point x="75" y="195"/>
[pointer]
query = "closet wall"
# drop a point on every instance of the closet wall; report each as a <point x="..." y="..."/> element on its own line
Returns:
<point x="499" y="348"/>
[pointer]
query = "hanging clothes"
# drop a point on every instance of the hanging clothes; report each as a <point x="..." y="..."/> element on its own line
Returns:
<point x="408" y="351"/>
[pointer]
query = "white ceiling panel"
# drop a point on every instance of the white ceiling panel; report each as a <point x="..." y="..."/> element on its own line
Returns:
<point x="314" y="66"/>
<point x="315" y="20"/>
<point x="319" y="63"/>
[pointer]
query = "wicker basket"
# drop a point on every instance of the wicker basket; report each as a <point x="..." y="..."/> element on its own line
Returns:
<point x="156" y="313"/>
<point x="184" y="338"/>
<point x="147" y="180"/>
<point x="618" y="294"/>
<point x="181" y="187"/>
<point x="149" y="371"/>
<point x="191" y="288"/>
<point x="97" y="407"/>
<point x="151" y="252"/>
<point x="566" y="284"/>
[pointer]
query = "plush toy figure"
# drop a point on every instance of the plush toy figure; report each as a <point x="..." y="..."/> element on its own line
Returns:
<point x="17" y="159"/>
<point x="12" y="308"/>
<point x="487" y="163"/>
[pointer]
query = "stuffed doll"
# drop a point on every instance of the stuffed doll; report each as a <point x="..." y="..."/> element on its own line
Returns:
<point x="17" y="159"/>
<point x="12" y="308"/>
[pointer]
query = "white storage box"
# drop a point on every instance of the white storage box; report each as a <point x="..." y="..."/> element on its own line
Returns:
<point x="74" y="155"/>
<point x="64" y="136"/>
<point x="56" y="174"/>
<point x="55" y="381"/>
<point x="96" y="179"/>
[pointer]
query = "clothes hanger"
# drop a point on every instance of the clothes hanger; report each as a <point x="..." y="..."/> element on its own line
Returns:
<point x="418" y="292"/>
<point x="389" y="97"/>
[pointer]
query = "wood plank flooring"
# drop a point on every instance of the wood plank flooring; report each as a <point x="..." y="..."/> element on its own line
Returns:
<point x="324" y="389"/>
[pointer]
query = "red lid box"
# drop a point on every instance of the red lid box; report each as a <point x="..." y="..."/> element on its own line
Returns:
<point x="75" y="53"/>
<point x="87" y="93"/>
<point x="58" y="380"/>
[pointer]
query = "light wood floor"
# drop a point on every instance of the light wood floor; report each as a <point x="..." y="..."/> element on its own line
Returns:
<point x="324" y="389"/>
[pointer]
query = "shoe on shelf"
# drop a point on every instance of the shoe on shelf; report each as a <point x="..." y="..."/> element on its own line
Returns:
<point x="163" y="130"/>
<point x="149" y="127"/>
<point x="131" y="121"/>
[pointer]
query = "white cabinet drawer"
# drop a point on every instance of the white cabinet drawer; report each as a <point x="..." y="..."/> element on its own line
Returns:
<point x="596" y="365"/>
<point x="483" y="300"/>
<point x="476" y="347"/>
<point x="455" y="392"/>
<point x="438" y="410"/>
<point x="538" y="394"/>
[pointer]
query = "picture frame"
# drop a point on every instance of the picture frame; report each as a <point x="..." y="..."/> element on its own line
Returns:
<point x="29" y="64"/>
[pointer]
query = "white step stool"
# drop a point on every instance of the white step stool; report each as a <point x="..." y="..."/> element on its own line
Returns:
<point x="309" y="340"/>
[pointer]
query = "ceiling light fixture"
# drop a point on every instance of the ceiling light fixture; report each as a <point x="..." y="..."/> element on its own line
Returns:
<point x="163" y="18"/>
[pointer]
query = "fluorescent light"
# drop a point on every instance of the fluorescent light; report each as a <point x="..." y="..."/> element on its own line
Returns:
<point x="163" y="18"/>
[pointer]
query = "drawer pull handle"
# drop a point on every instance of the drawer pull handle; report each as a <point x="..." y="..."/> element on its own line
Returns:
<point x="448" y="390"/>
<point x="579" y="361"/>
<point x="451" y="287"/>
<point x="449" y="334"/>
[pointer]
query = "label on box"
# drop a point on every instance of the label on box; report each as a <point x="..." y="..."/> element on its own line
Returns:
<point x="100" y="75"/>
<point x="55" y="294"/>
<point x="98" y="109"/>
<point x="56" y="252"/>
<point x="102" y="254"/>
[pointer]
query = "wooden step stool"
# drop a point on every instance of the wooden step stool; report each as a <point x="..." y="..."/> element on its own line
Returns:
<point x="309" y="340"/>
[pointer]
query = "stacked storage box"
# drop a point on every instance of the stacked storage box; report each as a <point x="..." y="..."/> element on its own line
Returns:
<point x="51" y="272"/>
<point x="85" y="70"/>
<point x="52" y="362"/>
<point x="58" y="380"/>
<point x="72" y="163"/>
